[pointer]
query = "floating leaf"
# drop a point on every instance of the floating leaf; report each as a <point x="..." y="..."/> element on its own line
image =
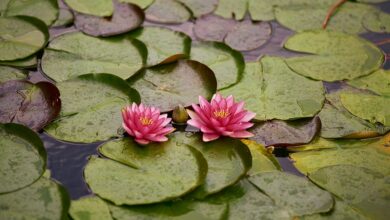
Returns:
<point x="228" y="161"/>
<point x="378" y="82"/>
<point x="89" y="208"/>
<point x="232" y="9"/>
<point x="65" y="18"/>
<point x="103" y="8"/>
<point x="126" y="17"/>
<point x="340" y="211"/>
<point x="369" y="107"/>
<point x="144" y="174"/>
<point x="296" y="194"/>
<point x="281" y="133"/>
<point x="27" y="62"/>
<point x="44" y="199"/>
<point x="336" y="56"/>
<point x="74" y="54"/>
<point x="44" y="10"/>
<point x="141" y="3"/>
<point x="180" y="83"/>
<point x="199" y="8"/>
<point x="8" y="73"/>
<point x="91" y="106"/>
<point x="33" y="105"/>
<point x="22" y="156"/>
<point x="213" y="28"/>
<point x="167" y="11"/>
<point x="226" y="63"/>
<point x="21" y="37"/>
<point x="276" y="92"/>
<point x="163" y="45"/>
<point x="365" y="190"/>
<point x="377" y="22"/>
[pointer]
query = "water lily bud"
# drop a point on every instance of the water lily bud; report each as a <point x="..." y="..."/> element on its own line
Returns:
<point x="180" y="115"/>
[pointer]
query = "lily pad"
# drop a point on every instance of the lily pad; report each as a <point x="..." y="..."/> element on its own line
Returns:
<point x="335" y="56"/>
<point x="228" y="161"/>
<point x="65" y="18"/>
<point x="33" y="105"/>
<point x="248" y="36"/>
<point x="8" y="73"/>
<point x="44" y="10"/>
<point x="89" y="208"/>
<point x="180" y="83"/>
<point x="281" y="133"/>
<point x="369" y="107"/>
<point x="91" y="106"/>
<point x="226" y="63"/>
<point x="103" y="8"/>
<point x="378" y="82"/>
<point x="199" y="8"/>
<point x="377" y="22"/>
<point x="23" y="157"/>
<point x="264" y="89"/>
<point x="213" y="28"/>
<point x="167" y="12"/>
<point x="144" y="174"/>
<point x="232" y="9"/>
<point x="163" y="45"/>
<point x="74" y="54"/>
<point x="44" y="199"/>
<point x="365" y="190"/>
<point x="141" y="3"/>
<point x="296" y="194"/>
<point x="340" y="211"/>
<point x="28" y="62"/>
<point x="21" y="37"/>
<point x="126" y="17"/>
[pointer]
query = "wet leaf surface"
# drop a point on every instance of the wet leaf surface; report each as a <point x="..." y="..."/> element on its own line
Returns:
<point x="33" y="105"/>
<point x="167" y="11"/>
<point x="89" y="208"/>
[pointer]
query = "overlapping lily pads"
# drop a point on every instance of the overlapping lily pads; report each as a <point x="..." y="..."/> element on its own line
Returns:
<point x="91" y="106"/>
<point x="199" y="8"/>
<point x="335" y="56"/>
<point x="141" y="3"/>
<point x="23" y="157"/>
<point x="378" y="82"/>
<point x="89" y="208"/>
<point x="167" y="11"/>
<point x="8" y="73"/>
<point x="232" y="9"/>
<point x="273" y="91"/>
<point x="21" y="36"/>
<point x="27" y="62"/>
<point x="74" y="54"/>
<point x="213" y="28"/>
<point x="179" y="83"/>
<point x="33" y="105"/>
<point x="144" y="175"/>
<point x="377" y="22"/>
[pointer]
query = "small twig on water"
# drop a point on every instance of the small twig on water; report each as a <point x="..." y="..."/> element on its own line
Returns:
<point x="382" y="42"/>
<point x="331" y="11"/>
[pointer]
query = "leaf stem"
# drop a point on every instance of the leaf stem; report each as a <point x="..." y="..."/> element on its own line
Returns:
<point x="331" y="12"/>
<point x="382" y="42"/>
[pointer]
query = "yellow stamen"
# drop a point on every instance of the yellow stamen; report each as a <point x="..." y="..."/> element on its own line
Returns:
<point x="145" y="121"/>
<point x="222" y="113"/>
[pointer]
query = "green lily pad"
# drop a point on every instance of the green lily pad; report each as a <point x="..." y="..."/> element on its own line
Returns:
<point x="23" y="157"/>
<point x="232" y="9"/>
<point x="74" y="54"/>
<point x="377" y="22"/>
<point x="182" y="209"/>
<point x="125" y="18"/>
<point x="213" y="28"/>
<point x="103" y="8"/>
<point x="199" y="8"/>
<point x="21" y="37"/>
<point x="264" y="89"/>
<point x="365" y="190"/>
<point x="65" y="18"/>
<point x="262" y="160"/>
<point x="144" y="174"/>
<point x="167" y="11"/>
<point x="226" y="63"/>
<point x="28" y="62"/>
<point x="180" y="83"/>
<point x="340" y="211"/>
<point x="44" y="199"/>
<point x="378" y="82"/>
<point x="369" y="107"/>
<point x="335" y="56"/>
<point x="44" y="10"/>
<point x="91" y="108"/>
<point x="296" y="194"/>
<point x="282" y="133"/>
<point x="89" y="208"/>
<point x="9" y="73"/>
<point x="163" y="45"/>
<point x="228" y="161"/>
<point x="141" y="3"/>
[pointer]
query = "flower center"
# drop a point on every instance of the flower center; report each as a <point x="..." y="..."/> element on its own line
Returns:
<point x="145" y="121"/>
<point x="222" y="113"/>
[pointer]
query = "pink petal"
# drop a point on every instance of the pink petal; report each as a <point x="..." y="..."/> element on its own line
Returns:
<point x="142" y="141"/>
<point x="195" y="123"/>
<point x="210" y="137"/>
<point x="240" y="126"/>
<point x="241" y="134"/>
<point x="206" y="129"/>
<point x="248" y="116"/>
<point x="202" y="114"/>
<point x="230" y="101"/>
<point x="197" y="117"/>
<point x="128" y="130"/>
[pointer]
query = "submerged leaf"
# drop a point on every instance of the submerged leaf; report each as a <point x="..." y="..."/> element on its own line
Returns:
<point x="202" y="7"/>
<point x="213" y="28"/>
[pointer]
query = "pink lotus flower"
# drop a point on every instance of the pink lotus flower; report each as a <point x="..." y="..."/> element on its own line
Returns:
<point x="221" y="117"/>
<point x="145" y="124"/>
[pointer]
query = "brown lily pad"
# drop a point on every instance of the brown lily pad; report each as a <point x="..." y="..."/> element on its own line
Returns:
<point x="282" y="133"/>
<point x="213" y="28"/>
<point x="126" y="17"/>
<point x="33" y="105"/>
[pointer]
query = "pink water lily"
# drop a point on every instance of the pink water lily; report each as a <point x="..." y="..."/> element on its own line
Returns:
<point x="145" y="124"/>
<point x="221" y="117"/>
